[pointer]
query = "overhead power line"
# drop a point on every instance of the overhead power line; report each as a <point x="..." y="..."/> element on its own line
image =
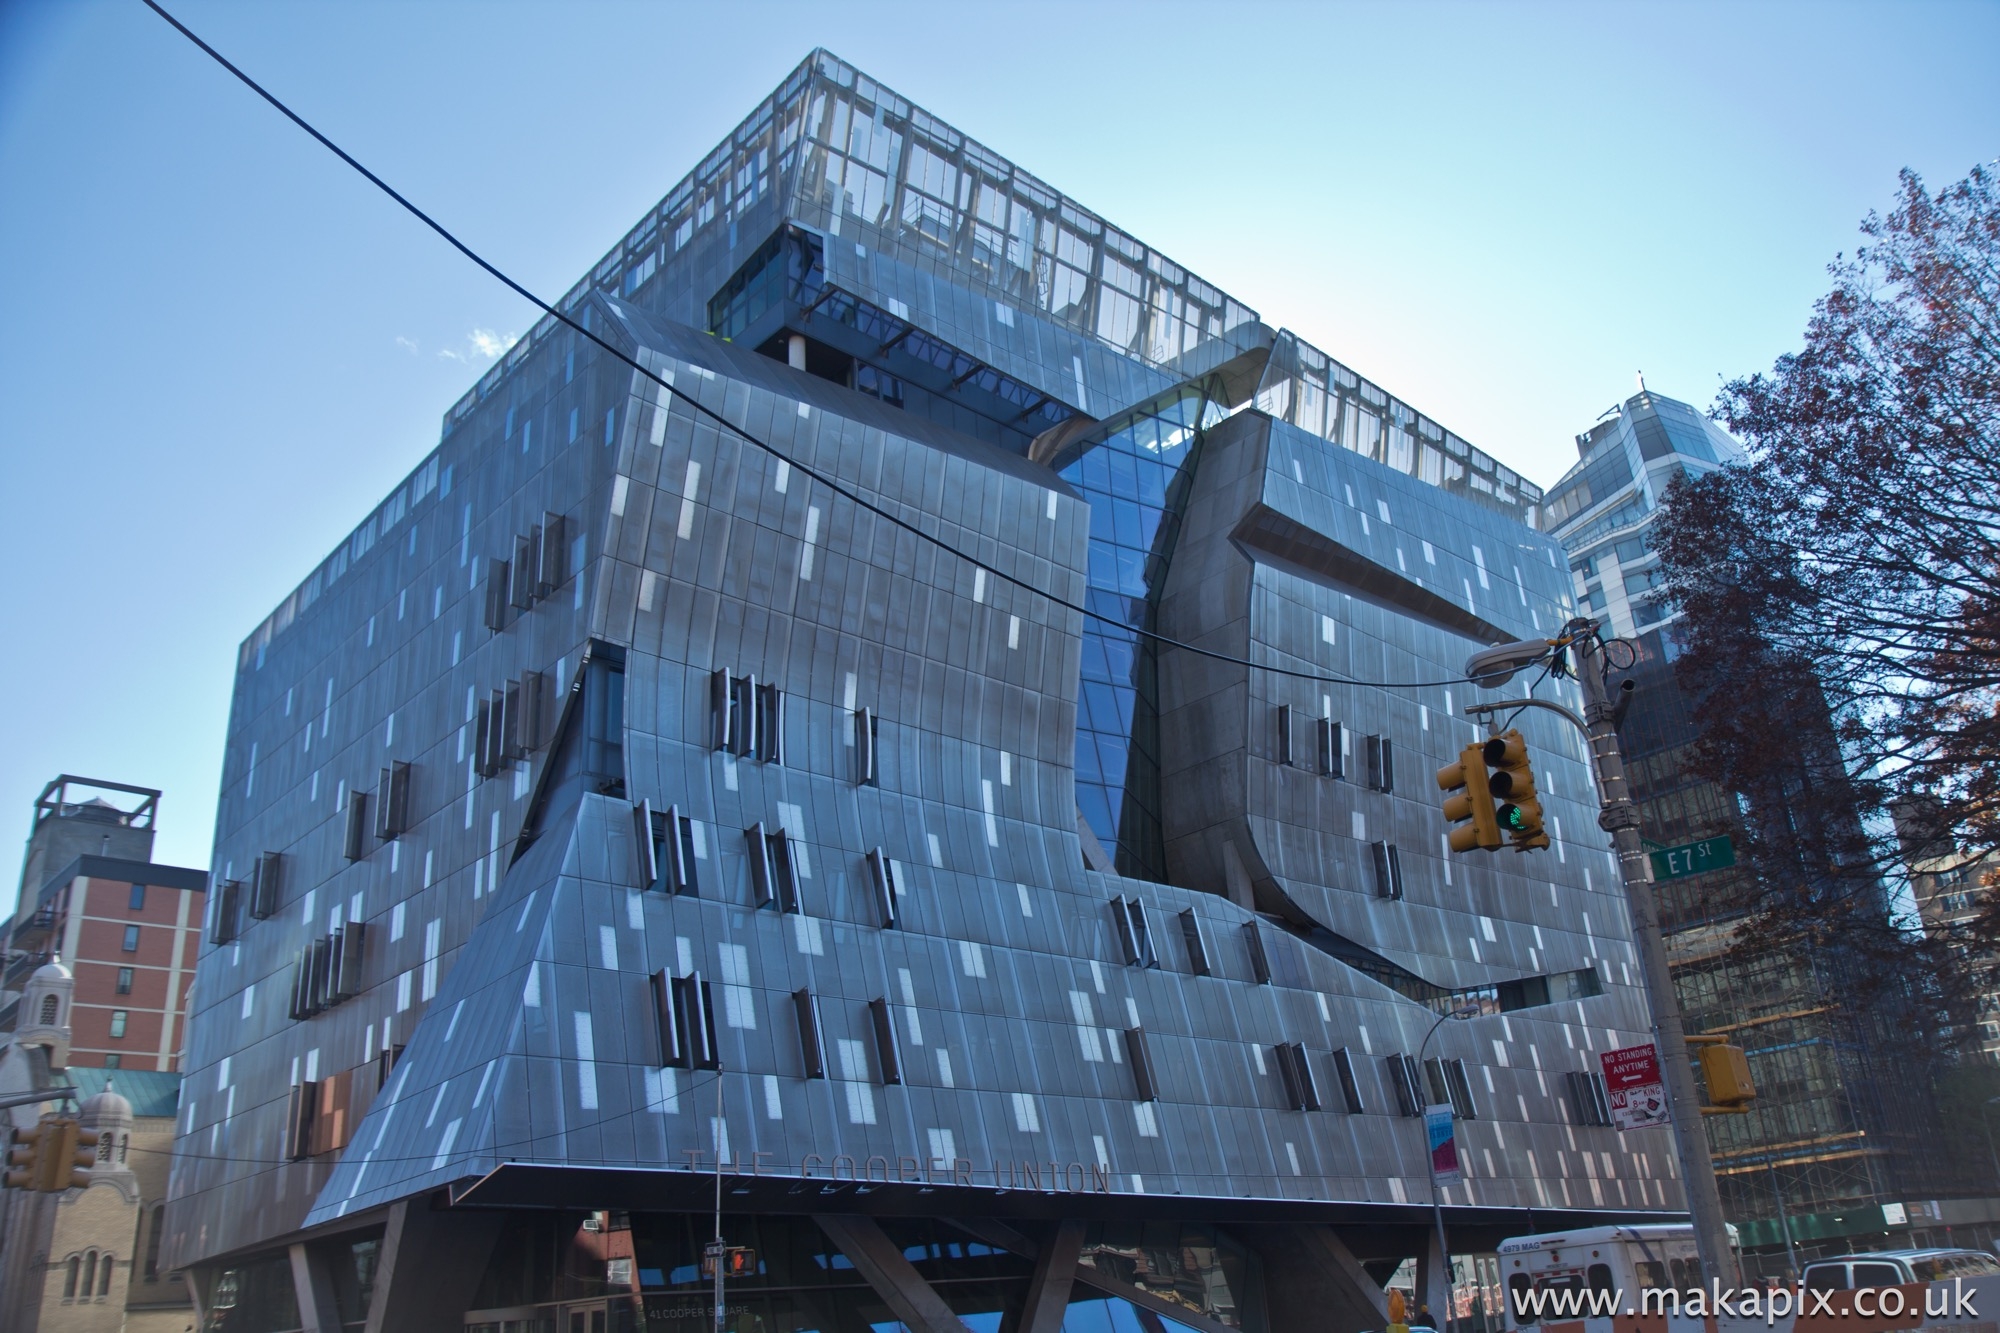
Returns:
<point x="499" y="275"/>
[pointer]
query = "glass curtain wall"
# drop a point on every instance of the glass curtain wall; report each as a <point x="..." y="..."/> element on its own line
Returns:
<point x="1135" y="472"/>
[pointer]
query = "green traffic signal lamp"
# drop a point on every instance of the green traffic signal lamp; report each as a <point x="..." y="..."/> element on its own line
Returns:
<point x="1513" y="781"/>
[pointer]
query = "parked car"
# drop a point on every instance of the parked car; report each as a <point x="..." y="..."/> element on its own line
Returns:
<point x="1894" y="1268"/>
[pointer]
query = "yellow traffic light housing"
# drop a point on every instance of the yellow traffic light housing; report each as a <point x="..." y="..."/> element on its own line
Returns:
<point x="1513" y="782"/>
<point x="1727" y="1073"/>
<point x="1473" y="802"/>
<point x="24" y="1159"/>
<point x="79" y="1155"/>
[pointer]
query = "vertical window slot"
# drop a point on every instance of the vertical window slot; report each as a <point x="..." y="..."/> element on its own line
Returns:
<point x="1350" y="1089"/>
<point x="784" y="871"/>
<point x="1197" y="951"/>
<point x="1260" y="962"/>
<point x="887" y="1054"/>
<point x="675" y="832"/>
<point x="673" y="1049"/>
<point x="550" y="562"/>
<point x="697" y="1013"/>
<point x="521" y="586"/>
<point x="392" y="801"/>
<point x="1284" y="733"/>
<point x="227" y="908"/>
<point x="742" y="716"/>
<point x="355" y="845"/>
<point x="266" y="885"/>
<point x="864" y="746"/>
<point x="810" y="1047"/>
<point x="770" y="724"/>
<point x="1463" y="1104"/>
<point x="496" y="595"/>
<point x="759" y="844"/>
<point x="882" y="879"/>
<point x="1141" y="1059"/>
<point x="1329" y="747"/>
<point x="645" y="856"/>
<point x="533" y="709"/>
<point x="721" y="711"/>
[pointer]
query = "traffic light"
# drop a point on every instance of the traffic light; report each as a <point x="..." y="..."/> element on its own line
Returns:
<point x="77" y="1155"/>
<point x="1513" y="782"/>
<point x="53" y="1156"/>
<point x="24" y="1158"/>
<point x="1727" y="1073"/>
<point x="1473" y="801"/>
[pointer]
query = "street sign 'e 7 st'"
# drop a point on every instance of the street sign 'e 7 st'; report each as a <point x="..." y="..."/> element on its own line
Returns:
<point x="1694" y="858"/>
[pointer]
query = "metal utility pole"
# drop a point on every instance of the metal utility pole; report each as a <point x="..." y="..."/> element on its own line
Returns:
<point x="718" y="1253"/>
<point x="1784" y="1220"/>
<point x="1620" y="818"/>
<point x="1443" y="1280"/>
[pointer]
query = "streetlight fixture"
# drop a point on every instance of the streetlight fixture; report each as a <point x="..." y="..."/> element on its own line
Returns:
<point x="1462" y="1012"/>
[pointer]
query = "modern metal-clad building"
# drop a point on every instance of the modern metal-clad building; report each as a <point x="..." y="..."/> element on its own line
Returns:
<point x="924" y="732"/>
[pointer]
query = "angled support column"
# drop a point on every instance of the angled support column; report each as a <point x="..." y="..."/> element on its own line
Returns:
<point x="318" y="1311"/>
<point x="1312" y="1280"/>
<point x="895" y="1280"/>
<point x="1055" y="1271"/>
<point x="431" y="1267"/>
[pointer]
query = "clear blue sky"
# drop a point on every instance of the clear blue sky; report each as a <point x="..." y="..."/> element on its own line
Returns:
<point x="219" y="348"/>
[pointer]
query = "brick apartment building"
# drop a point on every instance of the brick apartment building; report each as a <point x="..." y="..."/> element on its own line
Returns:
<point x="126" y="927"/>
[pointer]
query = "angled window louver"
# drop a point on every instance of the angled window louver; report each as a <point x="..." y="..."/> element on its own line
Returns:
<point x="774" y="874"/>
<point x="696" y="1012"/>
<point x="645" y="846"/>
<point x="668" y="1023"/>
<point x="521" y="572"/>
<point x="1403" y="1078"/>
<point x="551" y="554"/>
<point x="392" y="802"/>
<point x="329" y="971"/>
<point x="811" y="1049"/>
<point x="882" y="882"/>
<point x="743" y="716"/>
<point x="1388" y="870"/>
<point x="1197" y="951"/>
<point x="228" y="907"/>
<point x="301" y="1111"/>
<point x="267" y="885"/>
<point x="1463" y="1103"/>
<point x="355" y="844"/>
<point x="1295" y="1071"/>
<point x="1587" y="1098"/>
<point x="888" y="1056"/>
<point x="1135" y="939"/>
<point x="495" y="595"/>
<point x="1350" y="1088"/>
<point x="663" y="842"/>
<point x="1140" y="1056"/>
<point x="761" y="890"/>
<point x="770" y="747"/>
<point x="1260" y="962"/>
<point x="866" y="729"/>
<point x="721" y="711"/>
<point x="1331" y="761"/>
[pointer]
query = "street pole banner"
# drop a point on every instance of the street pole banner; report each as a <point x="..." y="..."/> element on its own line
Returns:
<point x="1444" y="1144"/>
<point x="1633" y="1086"/>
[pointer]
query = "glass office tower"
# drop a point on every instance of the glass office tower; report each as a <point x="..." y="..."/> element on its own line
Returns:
<point x="1845" y="1119"/>
<point x="941" y="754"/>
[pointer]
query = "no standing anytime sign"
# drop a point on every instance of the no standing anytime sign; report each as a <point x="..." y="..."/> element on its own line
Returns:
<point x="1633" y="1086"/>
